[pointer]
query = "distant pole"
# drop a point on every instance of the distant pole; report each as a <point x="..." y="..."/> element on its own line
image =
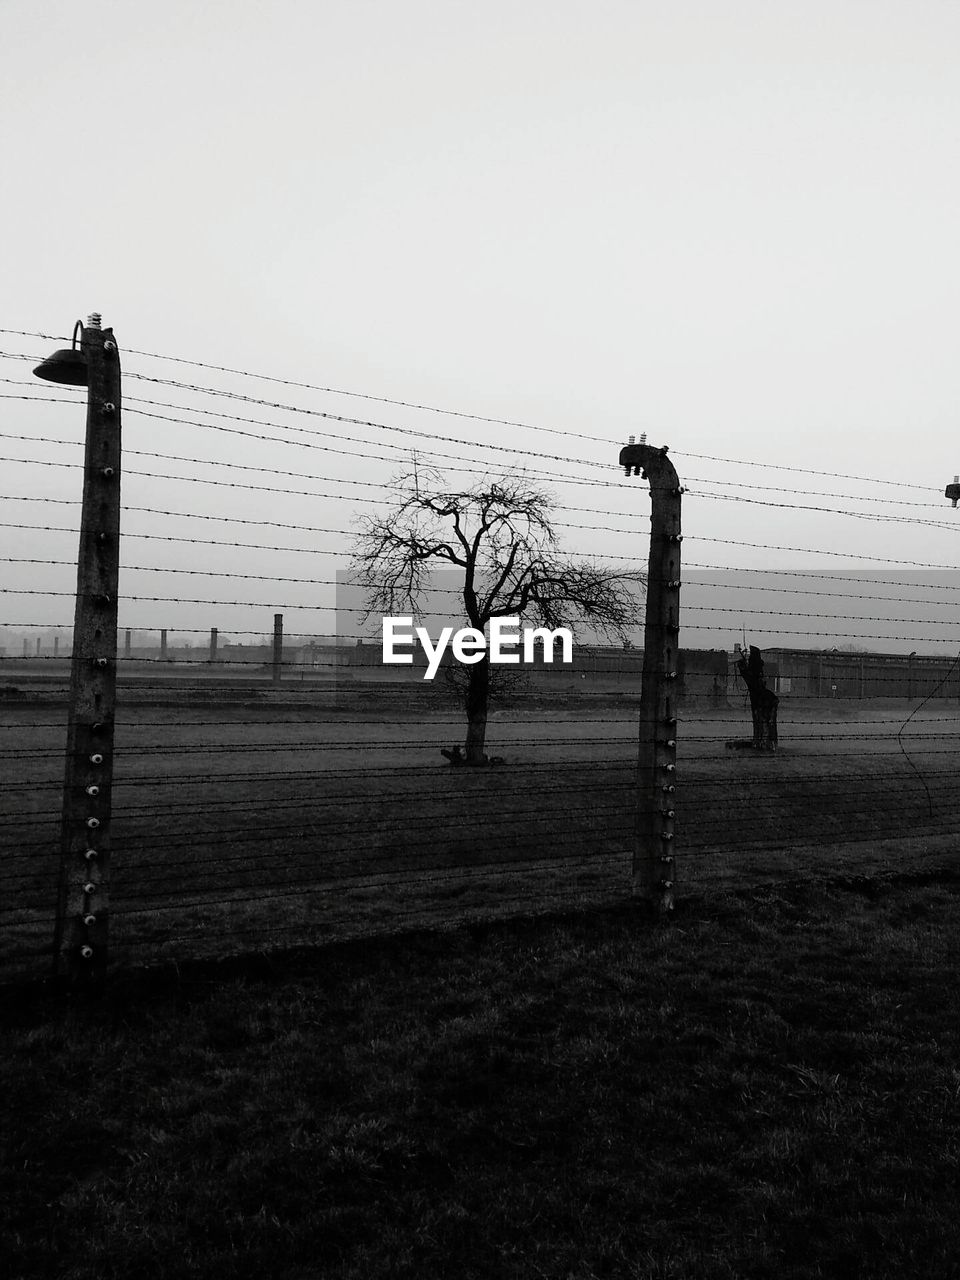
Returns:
<point x="213" y="644"/>
<point x="163" y="646"/>
<point x="80" y="932"/>
<point x="654" y="849"/>
<point x="26" y="647"/>
<point x="127" y="640"/>
<point x="277" y="646"/>
<point x="38" y="646"/>
<point x="56" y="646"/>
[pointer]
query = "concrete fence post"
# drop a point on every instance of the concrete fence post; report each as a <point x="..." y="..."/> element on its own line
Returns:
<point x="654" y="855"/>
<point x="81" y="928"/>
<point x="277" y="647"/>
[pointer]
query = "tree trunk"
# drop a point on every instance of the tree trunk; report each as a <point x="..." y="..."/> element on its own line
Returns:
<point x="763" y="701"/>
<point x="477" y="699"/>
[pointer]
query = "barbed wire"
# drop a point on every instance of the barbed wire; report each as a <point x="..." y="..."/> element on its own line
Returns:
<point x="726" y="569"/>
<point x="697" y="715"/>
<point x="219" y="573"/>
<point x="455" y="413"/>
<point x="182" y="782"/>
<point x="885" y="560"/>
<point x="203" y="845"/>
<point x="204" y="856"/>
<point x="474" y="445"/>
<point x="287" y="606"/>
<point x="550" y="477"/>
<point x="200" y="388"/>
<point x="256" y="746"/>
<point x="342" y="865"/>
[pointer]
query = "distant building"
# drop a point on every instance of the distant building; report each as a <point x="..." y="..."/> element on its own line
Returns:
<point x="833" y="673"/>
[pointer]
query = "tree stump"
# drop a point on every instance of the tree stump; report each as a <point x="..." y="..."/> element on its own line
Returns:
<point x="763" y="701"/>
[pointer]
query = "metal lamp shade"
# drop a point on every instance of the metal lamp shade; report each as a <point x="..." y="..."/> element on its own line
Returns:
<point x="65" y="366"/>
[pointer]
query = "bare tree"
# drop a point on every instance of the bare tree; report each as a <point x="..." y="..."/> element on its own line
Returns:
<point x="504" y="684"/>
<point x="499" y="536"/>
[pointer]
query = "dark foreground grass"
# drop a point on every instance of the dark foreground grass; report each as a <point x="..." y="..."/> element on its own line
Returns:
<point x="767" y="1086"/>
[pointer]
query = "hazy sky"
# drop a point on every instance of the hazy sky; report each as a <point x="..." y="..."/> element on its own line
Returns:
<point x="733" y="226"/>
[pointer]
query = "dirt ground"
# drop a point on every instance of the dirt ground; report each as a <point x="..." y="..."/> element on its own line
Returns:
<point x="293" y="820"/>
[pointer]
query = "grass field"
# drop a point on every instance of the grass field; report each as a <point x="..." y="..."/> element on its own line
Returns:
<point x="287" y="820"/>
<point x="765" y="1087"/>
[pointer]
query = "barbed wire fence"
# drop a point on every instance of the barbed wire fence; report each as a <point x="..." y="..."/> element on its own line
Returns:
<point x="265" y="800"/>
